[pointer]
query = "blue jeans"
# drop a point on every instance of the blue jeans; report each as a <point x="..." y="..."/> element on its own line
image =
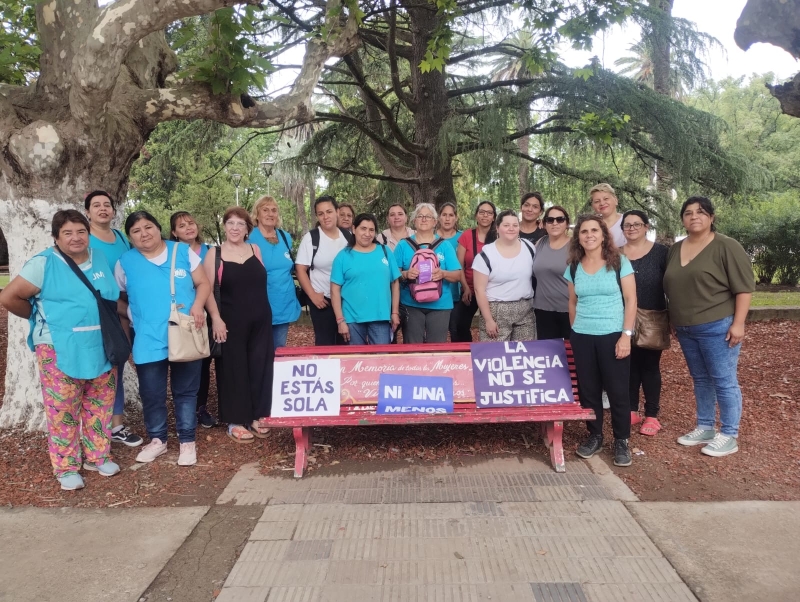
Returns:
<point x="184" y="380"/>
<point x="279" y="334"/>
<point x="119" y="396"/>
<point x="370" y="333"/>
<point x="712" y="364"/>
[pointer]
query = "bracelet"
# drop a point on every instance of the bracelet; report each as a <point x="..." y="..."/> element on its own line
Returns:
<point x="339" y="320"/>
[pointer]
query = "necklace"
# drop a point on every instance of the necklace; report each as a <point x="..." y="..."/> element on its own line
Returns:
<point x="235" y="251"/>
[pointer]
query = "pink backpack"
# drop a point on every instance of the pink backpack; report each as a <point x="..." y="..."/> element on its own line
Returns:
<point x="428" y="291"/>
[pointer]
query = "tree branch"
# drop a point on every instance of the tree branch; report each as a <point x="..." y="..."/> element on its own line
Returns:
<point x="363" y="126"/>
<point x="359" y="174"/>
<point x="489" y="86"/>
<point x="398" y="88"/>
<point x="534" y="129"/>
<point x="116" y="29"/>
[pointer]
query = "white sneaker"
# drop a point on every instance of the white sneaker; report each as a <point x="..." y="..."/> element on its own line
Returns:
<point x="188" y="455"/>
<point x="151" y="451"/>
<point x="606" y="403"/>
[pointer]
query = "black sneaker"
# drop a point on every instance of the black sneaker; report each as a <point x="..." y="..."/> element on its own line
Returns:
<point x="590" y="447"/>
<point x="205" y="419"/>
<point x="622" y="455"/>
<point x="125" y="436"/>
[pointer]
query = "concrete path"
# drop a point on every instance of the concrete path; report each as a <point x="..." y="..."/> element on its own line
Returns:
<point x="729" y="551"/>
<point x="507" y="530"/>
<point x="77" y="555"/>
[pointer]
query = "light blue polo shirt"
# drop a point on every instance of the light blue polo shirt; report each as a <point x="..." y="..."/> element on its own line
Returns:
<point x="366" y="281"/>
<point x="280" y="284"/>
<point x="112" y="250"/>
<point x="600" y="308"/>
<point x="448" y="261"/>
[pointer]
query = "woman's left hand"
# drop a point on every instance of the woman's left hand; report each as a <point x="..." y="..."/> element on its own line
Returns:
<point x="220" y="330"/>
<point x="395" y="322"/>
<point x="735" y="334"/>
<point x="199" y="315"/>
<point x="623" y="347"/>
<point x="437" y="275"/>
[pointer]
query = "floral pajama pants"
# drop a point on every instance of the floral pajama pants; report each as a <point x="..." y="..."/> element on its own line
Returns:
<point x="78" y="413"/>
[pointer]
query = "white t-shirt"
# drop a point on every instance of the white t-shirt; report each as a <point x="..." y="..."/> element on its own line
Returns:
<point x="616" y="233"/>
<point x="323" y="260"/>
<point x="510" y="278"/>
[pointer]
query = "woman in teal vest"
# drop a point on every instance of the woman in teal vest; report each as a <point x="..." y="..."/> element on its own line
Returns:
<point x="143" y="276"/>
<point x="101" y="210"/>
<point x="78" y="382"/>
<point x="184" y="228"/>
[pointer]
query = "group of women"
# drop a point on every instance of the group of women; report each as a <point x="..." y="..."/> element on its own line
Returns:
<point x="529" y="277"/>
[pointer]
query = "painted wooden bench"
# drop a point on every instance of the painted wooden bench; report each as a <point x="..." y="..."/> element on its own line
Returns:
<point x="362" y="412"/>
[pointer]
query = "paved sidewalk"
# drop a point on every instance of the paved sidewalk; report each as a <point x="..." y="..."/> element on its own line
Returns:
<point x="506" y="530"/>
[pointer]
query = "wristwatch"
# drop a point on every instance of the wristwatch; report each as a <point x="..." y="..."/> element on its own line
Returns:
<point x="628" y="332"/>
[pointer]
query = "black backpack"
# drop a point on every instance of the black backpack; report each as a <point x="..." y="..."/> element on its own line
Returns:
<point x="315" y="242"/>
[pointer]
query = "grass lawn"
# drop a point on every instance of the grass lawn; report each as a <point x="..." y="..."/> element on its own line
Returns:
<point x="781" y="299"/>
<point x="3" y="280"/>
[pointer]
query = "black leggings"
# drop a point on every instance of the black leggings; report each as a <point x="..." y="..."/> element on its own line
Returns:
<point x="461" y="324"/>
<point x="326" y="331"/>
<point x="552" y="324"/>
<point x="599" y="370"/>
<point x="646" y="372"/>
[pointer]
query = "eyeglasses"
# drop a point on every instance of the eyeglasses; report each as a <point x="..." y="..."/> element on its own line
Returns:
<point x="486" y="213"/>
<point x="555" y="220"/>
<point x="425" y="218"/>
<point x="635" y="226"/>
<point x="237" y="224"/>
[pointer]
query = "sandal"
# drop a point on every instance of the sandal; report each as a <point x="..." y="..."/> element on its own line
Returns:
<point x="240" y="434"/>
<point x="635" y="418"/>
<point x="650" y="427"/>
<point x="259" y="431"/>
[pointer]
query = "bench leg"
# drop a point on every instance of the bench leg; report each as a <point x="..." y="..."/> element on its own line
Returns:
<point x="302" y="443"/>
<point x="552" y="434"/>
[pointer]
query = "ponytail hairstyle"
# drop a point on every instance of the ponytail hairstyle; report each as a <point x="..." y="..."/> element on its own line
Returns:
<point x="491" y="235"/>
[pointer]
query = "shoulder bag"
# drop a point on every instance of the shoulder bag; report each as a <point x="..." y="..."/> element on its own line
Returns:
<point x="652" y="329"/>
<point x="115" y="341"/>
<point x="185" y="342"/>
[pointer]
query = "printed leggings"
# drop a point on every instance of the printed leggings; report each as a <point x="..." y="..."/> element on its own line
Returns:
<point x="78" y="413"/>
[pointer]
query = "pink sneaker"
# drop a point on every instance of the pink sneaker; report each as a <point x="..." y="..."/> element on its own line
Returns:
<point x="188" y="455"/>
<point x="151" y="451"/>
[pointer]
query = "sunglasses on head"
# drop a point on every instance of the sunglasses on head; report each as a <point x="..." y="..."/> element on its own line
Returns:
<point x="555" y="220"/>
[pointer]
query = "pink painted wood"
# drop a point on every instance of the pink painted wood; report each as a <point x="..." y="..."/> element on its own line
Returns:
<point x="551" y="417"/>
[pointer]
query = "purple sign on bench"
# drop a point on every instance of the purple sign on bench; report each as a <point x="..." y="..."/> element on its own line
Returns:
<point x="530" y="373"/>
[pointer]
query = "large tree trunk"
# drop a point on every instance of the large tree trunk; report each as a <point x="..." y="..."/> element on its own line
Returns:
<point x="433" y="168"/>
<point x="661" y="36"/>
<point x="101" y="91"/>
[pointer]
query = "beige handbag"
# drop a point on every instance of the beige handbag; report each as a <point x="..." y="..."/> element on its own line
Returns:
<point x="186" y="343"/>
<point x="652" y="329"/>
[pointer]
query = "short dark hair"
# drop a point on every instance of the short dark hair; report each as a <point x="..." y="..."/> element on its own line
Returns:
<point x="68" y="216"/>
<point x="638" y="213"/>
<point x="362" y="217"/>
<point x="87" y="200"/>
<point x="557" y="208"/>
<point x="705" y="204"/>
<point x="533" y="195"/>
<point x="504" y="214"/>
<point x="326" y="198"/>
<point x="239" y="212"/>
<point x="138" y="216"/>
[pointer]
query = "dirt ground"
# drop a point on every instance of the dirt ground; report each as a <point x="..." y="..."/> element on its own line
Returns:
<point x="767" y="466"/>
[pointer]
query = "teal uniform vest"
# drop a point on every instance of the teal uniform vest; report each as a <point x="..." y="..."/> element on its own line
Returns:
<point x="71" y="314"/>
<point x="147" y="286"/>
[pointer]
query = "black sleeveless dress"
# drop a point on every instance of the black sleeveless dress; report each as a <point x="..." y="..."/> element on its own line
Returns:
<point x="244" y="372"/>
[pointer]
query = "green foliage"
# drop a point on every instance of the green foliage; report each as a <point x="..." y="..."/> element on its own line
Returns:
<point x="770" y="233"/>
<point x="232" y="61"/>
<point x="19" y="42"/>
<point x="602" y="125"/>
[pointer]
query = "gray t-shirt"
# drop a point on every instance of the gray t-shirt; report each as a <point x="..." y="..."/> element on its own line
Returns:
<point x="549" y="264"/>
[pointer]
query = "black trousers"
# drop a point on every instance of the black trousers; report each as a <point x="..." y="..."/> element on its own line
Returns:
<point x="461" y="324"/>
<point x="205" y="382"/>
<point x="599" y="370"/>
<point x="326" y="331"/>
<point x="646" y="372"/>
<point x="552" y="324"/>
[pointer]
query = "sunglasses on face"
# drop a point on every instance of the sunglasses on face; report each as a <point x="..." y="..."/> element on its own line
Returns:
<point x="555" y="220"/>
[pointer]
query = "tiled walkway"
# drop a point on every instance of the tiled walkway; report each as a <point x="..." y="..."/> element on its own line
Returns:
<point x="507" y="530"/>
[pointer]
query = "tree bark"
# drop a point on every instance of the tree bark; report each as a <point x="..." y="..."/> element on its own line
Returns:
<point x="660" y="38"/>
<point x="80" y="126"/>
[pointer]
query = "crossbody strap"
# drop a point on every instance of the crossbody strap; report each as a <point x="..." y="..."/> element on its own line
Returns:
<point x="78" y="272"/>
<point x="172" y="272"/>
